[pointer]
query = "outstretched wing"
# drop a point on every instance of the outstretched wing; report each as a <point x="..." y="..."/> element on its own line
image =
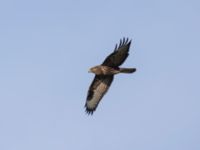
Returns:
<point x="119" y="55"/>
<point x="97" y="90"/>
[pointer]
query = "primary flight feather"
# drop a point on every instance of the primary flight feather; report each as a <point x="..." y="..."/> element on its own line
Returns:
<point x="104" y="74"/>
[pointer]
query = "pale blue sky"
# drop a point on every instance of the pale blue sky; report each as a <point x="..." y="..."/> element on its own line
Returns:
<point x="45" y="52"/>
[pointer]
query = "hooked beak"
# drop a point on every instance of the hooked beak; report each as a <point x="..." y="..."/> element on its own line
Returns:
<point x="89" y="71"/>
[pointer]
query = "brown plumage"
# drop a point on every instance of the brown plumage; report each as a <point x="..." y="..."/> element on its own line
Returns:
<point x="104" y="74"/>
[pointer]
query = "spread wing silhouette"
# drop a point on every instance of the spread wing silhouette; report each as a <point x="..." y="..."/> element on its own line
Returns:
<point x="119" y="55"/>
<point x="97" y="89"/>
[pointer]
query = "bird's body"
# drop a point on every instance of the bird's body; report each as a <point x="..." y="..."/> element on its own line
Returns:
<point x="106" y="70"/>
<point x="104" y="74"/>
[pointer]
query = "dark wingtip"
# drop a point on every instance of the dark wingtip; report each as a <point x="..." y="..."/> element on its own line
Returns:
<point x="89" y="111"/>
<point x="130" y="41"/>
<point x="123" y="41"/>
<point x="115" y="47"/>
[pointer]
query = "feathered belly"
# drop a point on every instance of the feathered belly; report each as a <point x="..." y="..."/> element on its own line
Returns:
<point x="108" y="70"/>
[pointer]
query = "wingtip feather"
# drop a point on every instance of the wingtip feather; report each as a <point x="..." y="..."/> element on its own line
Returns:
<point x="123" y="41"/>
<point x="89" y="111"/>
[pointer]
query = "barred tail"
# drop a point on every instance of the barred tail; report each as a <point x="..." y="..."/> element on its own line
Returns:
<point x="127" y="70"/>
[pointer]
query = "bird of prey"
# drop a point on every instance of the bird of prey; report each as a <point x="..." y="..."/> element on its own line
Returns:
<point x="105" y="72"/>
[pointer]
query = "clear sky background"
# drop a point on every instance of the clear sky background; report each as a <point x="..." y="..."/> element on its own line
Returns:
<point x="46" y="49"/>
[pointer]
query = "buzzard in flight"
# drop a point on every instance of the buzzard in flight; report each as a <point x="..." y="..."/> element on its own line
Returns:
<point x="105" y="72"/>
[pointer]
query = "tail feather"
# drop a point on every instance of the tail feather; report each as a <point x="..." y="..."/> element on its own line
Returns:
<point x="127" y="70"/>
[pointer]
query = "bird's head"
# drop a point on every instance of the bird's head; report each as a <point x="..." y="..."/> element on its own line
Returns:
<point x="94" y="70"/>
